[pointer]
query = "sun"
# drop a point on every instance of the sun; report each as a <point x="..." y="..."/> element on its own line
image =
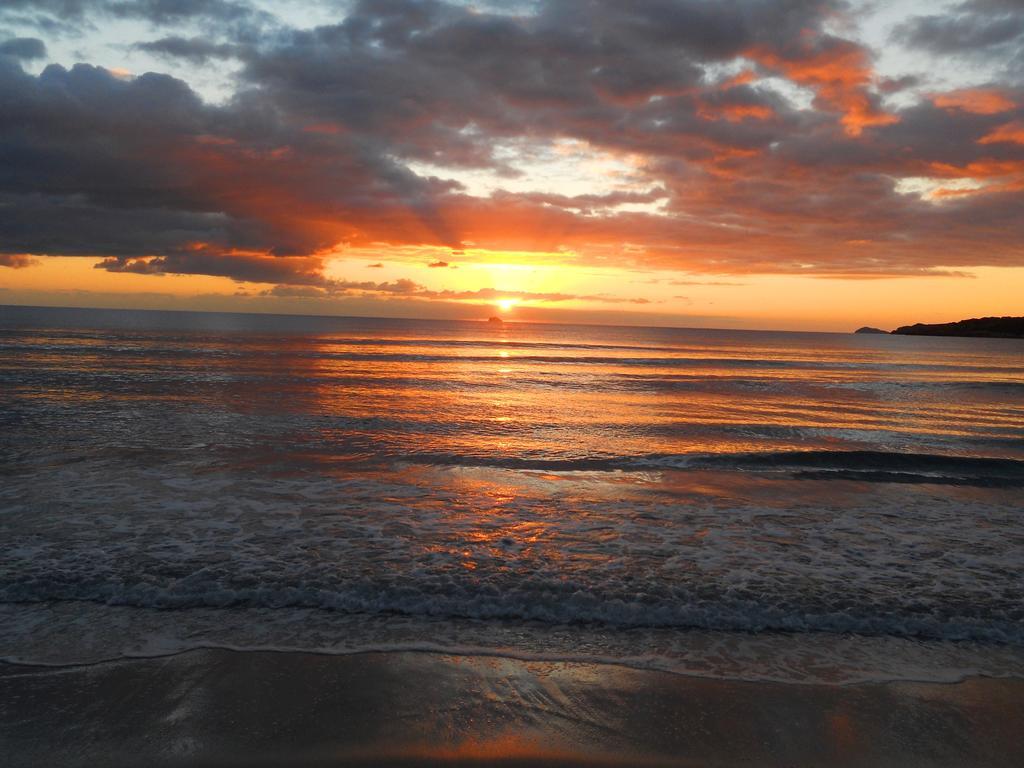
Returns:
<point x="506" y="304"/>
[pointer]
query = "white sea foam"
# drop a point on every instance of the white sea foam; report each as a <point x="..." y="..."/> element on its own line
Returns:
<point x="71" y="634"/>
<point x="903" y="563"/>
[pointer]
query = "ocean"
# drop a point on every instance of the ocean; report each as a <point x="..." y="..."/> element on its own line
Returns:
<point x="798" y="507"/>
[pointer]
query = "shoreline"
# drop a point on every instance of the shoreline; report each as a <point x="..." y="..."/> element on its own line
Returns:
<point x="223" y="707"/>
<point x="483" y="654"/>
<point x="58" y="635"/>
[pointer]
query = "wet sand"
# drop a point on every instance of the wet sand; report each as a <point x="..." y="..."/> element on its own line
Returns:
<point x="214" y="707"/>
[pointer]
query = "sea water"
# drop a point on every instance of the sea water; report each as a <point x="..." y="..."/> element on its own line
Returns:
<point x="758" y="505"/>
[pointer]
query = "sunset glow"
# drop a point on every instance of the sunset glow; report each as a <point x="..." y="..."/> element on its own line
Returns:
<point x="732" y="165"/>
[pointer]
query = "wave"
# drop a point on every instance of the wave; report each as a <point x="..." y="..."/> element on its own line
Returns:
<point x="876" y="460"/>
<point x="550" y="607"/>
<point x="675" y="360"/>
<point x="253" y="343"/>
<point x="861" y="465"/>
<point x="77" y="633"/>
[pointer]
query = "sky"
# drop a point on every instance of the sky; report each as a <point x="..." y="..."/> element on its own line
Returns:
<point x="798" y="164"/>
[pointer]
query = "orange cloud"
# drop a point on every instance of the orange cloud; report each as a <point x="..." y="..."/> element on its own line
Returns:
<point x="745" y="77"/>
<point x="978" y="101"/>
<point x="1011" y="133"/>
<point x="17" y="260"/>
<point x="839" y="72"/>
<point x="735" y="113"/>
<point x="999" y="176"/>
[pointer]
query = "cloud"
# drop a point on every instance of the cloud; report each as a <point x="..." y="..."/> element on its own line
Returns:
<point x="494" y="294"/>
<point x="976" y="27"/>
<point x="587" y="203"/>
<point x="838" y="71"/>
<point x="368" y="132"/>
<point x="980" y="101"/>
<point x="195" y="49"/>
<point x="1011" y="133"/>
<point x="56" y="14"/>
<point x="16" y="260"/>
<point x="335" y="288"/>
<point x="705" y="282"/>
<point x="249" y="267"/>
<point x="23" y="48"/>
<point x="438" y="264"/>
<point x="405" y="288"/>
<point x="170" y="11"/>
<point x="100" y="166"/>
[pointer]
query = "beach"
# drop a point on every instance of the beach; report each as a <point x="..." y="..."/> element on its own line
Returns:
<point x="223" y="708"/>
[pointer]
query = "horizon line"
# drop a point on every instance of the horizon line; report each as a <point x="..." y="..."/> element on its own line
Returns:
<point x="414" y="319"/>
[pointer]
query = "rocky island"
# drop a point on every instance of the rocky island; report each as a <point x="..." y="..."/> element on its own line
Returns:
<point x="869" y="329"/>
<point x="985" y="327"/>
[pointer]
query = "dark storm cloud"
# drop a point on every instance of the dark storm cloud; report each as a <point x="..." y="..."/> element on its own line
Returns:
<point x="156" y="11"/>
<point x="170" y="11"/>
<point x="975" y="27"/>
<point x="70" y="226"/>
<point x="311" y="153"/>
<point x="990" y="31"/>
<point x="237" y="20"/>
<point x="23" y="48"/>
<point x="439" y="83"/>
<point x="69" y="8"/>
<point x="195" y="49"/>
<point x="257" y="268"/>
<point x="96" y="165"/>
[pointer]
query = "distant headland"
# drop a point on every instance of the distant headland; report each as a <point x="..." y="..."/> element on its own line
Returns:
<point x="987" y="327"/>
